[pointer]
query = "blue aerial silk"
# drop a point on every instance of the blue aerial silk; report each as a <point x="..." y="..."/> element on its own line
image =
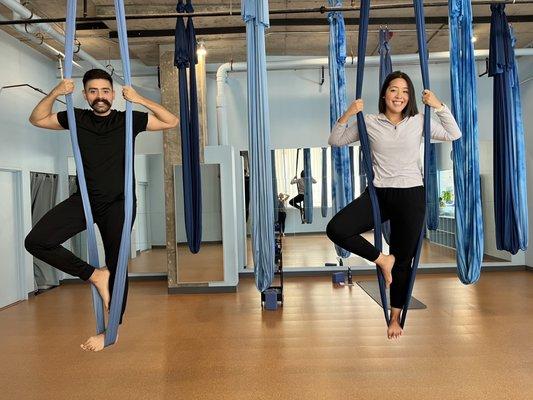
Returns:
<point x="255" y="15"/>
<point x="341" y="181"/>
<point x="510" y="186"/>
<point x="324" y="192"/>
<point x="385" y="69"/>
<point x="365" y="145"/>
<point x="274" y="184"/>
<point x="432" y="190"/>
<point x="185" y="57"/>
<point x="308" y="181"/>
<point x="120" y="277"/>
<point x="352" y="167"/>
<point x="468" y="210"/>
<point x="384" y="50"/>
<point x="364" y="13"/>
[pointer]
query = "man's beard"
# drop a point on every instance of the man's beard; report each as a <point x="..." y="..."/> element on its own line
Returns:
<point x="100" y="108"/>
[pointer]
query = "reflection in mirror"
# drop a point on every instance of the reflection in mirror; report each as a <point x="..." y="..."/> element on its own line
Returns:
<point x="148" y="238"/>
<point x="208" y="264"/>
<point x="306" y="245"/>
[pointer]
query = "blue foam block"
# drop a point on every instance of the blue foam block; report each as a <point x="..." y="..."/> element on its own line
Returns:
<point x="338" y="277"/>
<point x="271" y="299"/>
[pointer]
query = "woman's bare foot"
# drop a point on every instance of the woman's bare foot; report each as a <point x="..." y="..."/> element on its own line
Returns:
<point x="385" y="263"/>
<point x="394" y="331"/>
<point x="100" y="279"/>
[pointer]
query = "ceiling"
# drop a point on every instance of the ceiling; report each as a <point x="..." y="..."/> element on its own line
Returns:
<point x="303" y="34"/>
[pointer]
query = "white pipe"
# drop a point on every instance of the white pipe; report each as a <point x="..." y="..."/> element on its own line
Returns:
<point x="225" y="69"/>
<point x="37" y="41"/>
<point x="18" y="8"/>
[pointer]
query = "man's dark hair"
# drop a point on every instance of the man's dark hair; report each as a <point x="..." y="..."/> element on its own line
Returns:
<point x="96" y="74"/>
<point x="302" y="174"/>
<point x="410" y="109"/>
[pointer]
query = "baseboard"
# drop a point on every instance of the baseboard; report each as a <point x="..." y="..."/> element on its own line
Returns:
<point x="131" y="277"/>
<point x="420" y="271"/>
<point x="196" y="289"/>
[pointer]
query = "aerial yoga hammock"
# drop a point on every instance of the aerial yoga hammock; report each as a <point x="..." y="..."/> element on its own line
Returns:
<point x="341" y="181"/>
<point x="468" y="210"/>
<point x="120" y="277"/>
<point x="185" y="57"/>
<point x="255" y="15"/>
<point x="365" y="145"/>
<point x="510" y="183"/>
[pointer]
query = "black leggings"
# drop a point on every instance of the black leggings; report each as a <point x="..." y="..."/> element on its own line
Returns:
<point x="282" y="216"/>
<point x="297" y="201"/>
<point x="66" y="220"/>
<point x="405" y="208"/>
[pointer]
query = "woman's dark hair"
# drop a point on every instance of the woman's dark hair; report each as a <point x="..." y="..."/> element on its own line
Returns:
<point x="410" y="109"/>
<point x="96" y="74"/>
<point x="302" y="174"/>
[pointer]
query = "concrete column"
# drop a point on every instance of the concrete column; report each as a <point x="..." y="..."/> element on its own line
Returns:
<point x="172" y="144"/>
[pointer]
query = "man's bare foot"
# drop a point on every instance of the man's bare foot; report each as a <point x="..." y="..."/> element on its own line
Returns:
<point x="95" y="343"/>
<point x="100" y="279"/>
<point x="385" y="263"/>
<point x="394" y="330"/>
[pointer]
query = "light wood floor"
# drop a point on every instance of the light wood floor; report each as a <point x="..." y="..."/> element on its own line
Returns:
<point x="314" y="250"/>
<point x="472" y="342"/>
<point x="311" y="250"/>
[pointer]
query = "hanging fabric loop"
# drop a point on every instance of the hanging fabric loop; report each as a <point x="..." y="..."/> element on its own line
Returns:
<point x="255" y="15"/>
<point x="185" y="57"/>
<point x="341" y="181"/>
<point x="120" y="277"/>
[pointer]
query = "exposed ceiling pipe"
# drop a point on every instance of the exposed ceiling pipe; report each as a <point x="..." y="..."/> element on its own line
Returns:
<point x="321" y="10"/>
<point x="46" y="28"/>
<point x="38" y="41"/>
<point x="225" y="69"/>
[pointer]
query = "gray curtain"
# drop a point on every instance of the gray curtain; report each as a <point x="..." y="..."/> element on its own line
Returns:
<point x="43" y="198"/>
<point x="78" y="243"/>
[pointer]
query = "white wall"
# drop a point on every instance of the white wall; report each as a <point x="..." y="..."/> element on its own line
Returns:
<point x="24" y="147"/>
<point x="299" y="116"/>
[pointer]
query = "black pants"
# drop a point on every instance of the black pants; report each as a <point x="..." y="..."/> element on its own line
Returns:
<point x="68" y="219"/>
<point x="297" y="201"/>
<point x="282" y="216"/>
<point x="405" y="208"/>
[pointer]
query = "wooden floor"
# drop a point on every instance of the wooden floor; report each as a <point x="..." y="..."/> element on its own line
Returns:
<point x="472" y="342"/>
<point x="315" y="249"/>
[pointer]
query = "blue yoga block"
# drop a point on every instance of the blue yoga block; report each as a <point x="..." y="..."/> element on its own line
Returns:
<point x="338" y="277"/>
<point x="271" y="299"/>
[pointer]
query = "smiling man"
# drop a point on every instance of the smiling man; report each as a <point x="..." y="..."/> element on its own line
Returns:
<point x="102" y="141"/>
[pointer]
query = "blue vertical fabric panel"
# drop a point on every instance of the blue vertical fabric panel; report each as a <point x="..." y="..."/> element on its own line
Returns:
<point x="510" y="185"/>
<point x="185" y="57"/>
<point x="468" y="208"/>
<point x="364" y="13"/>
<point x="308" y="197"/>
<point x="255" y="15"/>
<point x="385" y="69"/>
<point x="341" y="182"/>
<point x="274" y="183"/>
<point x="70" y="31"/>
<point x="324" y="192"/>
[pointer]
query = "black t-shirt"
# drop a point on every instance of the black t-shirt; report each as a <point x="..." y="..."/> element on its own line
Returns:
<point x="102" y="142"/>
